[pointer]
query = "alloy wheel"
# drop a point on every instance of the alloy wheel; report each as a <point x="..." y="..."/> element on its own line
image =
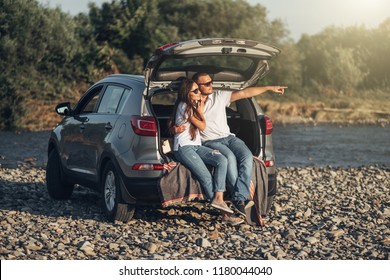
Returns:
<point x="110" y="190"/>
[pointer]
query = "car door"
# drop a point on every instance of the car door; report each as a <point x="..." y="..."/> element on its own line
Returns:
<point x="75" y="149"/>
<point x="100" y="126"/>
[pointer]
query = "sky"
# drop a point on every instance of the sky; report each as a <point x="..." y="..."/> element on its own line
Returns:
<point x="299" y="16"/>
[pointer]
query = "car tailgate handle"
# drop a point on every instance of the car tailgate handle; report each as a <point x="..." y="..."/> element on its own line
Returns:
<point x="108" y="126"/>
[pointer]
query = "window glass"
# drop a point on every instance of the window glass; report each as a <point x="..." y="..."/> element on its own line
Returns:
<point x="233" y="106"/>
<point x="166" y="98"/>
<point x="123" y="100"/>
<point x="91" y="100"/>
<point x="110" y="100"/>
<point x="233" y="63"/>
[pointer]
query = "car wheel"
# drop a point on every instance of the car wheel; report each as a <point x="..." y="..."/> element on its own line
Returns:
<point x="57" y="185"/>
<point x="112" y="199"/>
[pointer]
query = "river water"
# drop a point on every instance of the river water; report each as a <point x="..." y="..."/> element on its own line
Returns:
<point x="294" y="145"/>
<point x="337" y="146"/>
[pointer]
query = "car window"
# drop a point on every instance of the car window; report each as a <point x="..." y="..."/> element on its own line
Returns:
<point x="233" y="106"/>
<point x="110" y="101"/>
<point x="88" y="105"/>
<point x="123" y="100"/>
<point x="165" y="98"/>
<point x="239" y="63"/>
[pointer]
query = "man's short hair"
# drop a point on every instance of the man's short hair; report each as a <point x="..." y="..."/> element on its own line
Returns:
<point x="196" y="76"/>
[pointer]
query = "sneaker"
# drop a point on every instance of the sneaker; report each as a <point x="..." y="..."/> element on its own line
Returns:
<point x="232" y="220"/>
<point x="249" y="204"/>
<point x="240" y="206"/>
<point x="222" y="206"/>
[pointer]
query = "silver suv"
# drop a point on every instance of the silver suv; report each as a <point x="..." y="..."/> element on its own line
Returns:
<point x="116" y="140"/>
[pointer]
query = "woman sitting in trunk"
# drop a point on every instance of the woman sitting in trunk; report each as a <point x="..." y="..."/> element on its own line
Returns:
<point x="188" y="149"/>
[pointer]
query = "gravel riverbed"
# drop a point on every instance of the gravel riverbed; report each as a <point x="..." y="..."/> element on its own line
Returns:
<point x="319" y="213"/>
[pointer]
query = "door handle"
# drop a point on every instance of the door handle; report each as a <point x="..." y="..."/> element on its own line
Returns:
<point x="108" y="126"/>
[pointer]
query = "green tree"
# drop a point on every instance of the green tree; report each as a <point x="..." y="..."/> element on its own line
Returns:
<point x="333" y="59"/>
<point x="343" y="70"/>
<point x="131" y="30"/>
<point x="220" y="18"/>
<point x="286" y="68"/>
<point x="377" y="60"/>
<point x="41" y="54"/>
<point x="137" y="27"/>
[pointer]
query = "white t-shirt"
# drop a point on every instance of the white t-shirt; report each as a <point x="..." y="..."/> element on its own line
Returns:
<point x="215" y="115"/>
<point x="184" y="138"/>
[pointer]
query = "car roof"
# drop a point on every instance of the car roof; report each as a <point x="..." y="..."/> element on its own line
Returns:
<point x="124" y="79"/>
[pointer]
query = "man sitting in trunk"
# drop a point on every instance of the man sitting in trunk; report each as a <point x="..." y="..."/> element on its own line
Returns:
<point x="217" y="136"/>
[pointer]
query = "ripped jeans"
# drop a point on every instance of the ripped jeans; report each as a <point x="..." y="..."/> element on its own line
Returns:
<point x="240" y="161"/>
<point x="195" y="159"/>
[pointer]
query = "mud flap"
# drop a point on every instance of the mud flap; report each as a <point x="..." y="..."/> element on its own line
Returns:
<point x="125" y="195"/>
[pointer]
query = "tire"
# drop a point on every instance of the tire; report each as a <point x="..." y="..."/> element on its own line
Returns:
<point x="113" y="206"/>
<point x="57" y="186"/>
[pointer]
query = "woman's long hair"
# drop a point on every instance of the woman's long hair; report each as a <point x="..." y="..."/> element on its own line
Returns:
<point x="184" y="96"/>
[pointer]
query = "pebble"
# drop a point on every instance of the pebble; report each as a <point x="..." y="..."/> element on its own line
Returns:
<point x="337" y="233"/>
<point x="319" y="213"/>
<point x="203" y="242"/>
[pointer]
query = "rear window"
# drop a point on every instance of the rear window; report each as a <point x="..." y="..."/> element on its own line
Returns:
<point x="111" y="102"/>
<point x="233" y="63"/>
<point x="221" y="67"/>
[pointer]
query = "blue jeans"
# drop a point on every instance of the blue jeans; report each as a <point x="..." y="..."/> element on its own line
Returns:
<point x="240" y="161"/>
<point x="195" y="159"/>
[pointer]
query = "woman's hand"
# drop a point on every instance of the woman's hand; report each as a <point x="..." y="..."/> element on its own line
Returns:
<point x="179" y="128"/>
<point x="200" y="106"/>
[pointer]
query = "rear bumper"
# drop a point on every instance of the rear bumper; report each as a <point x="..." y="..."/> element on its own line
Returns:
<point x="138" y="186"/>
<point x="141" y="191"/>
<point x="146" y="190"/>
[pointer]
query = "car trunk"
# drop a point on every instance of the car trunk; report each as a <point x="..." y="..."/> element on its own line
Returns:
<point x="241" y="115"/>
<point x="232" y="63"/>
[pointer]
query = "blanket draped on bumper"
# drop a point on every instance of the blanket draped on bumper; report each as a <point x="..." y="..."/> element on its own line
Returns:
<point x="179" y="186"/>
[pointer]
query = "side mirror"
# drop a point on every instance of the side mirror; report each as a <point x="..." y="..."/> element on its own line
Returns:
<point x="64" y="109"/>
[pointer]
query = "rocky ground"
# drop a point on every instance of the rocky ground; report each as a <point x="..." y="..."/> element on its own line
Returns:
<point x="319" y="213"/>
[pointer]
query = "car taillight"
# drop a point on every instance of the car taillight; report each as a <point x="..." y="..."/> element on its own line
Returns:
<point x="147" y="166"/>
<point x="145" y="126"/>
<point x="164" y="47"/>
<point x="268" y="125"/>
<point x="269" y="163"/>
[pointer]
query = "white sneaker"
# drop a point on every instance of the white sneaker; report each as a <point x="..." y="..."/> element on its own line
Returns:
<point x="221" y="206"/>
<point x="232" y="220"/>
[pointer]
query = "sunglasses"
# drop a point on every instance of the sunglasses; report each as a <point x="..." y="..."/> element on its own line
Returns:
<point x="196" y="91"/>
<point x="207" y="84"/>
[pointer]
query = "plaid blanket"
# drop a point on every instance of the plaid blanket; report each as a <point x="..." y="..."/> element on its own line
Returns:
<point x="179" y="186"/>
<point x="258" y="192"/>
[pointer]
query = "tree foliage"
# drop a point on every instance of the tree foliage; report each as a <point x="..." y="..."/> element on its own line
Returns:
<point x="36" y="47"/>
<point x="346" y="59"/>
<point x="46" y="54"/>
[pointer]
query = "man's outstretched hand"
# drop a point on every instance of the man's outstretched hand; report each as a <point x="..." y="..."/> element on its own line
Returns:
<point x="279" y="89"/>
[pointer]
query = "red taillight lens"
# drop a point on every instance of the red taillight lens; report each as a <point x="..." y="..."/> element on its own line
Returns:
<point x="164" y="47"/>
<point x="268" y="125"/>
<point x="145" y="126"/>
<point x="269" y="163"/>
<point x="147" y="166"/>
